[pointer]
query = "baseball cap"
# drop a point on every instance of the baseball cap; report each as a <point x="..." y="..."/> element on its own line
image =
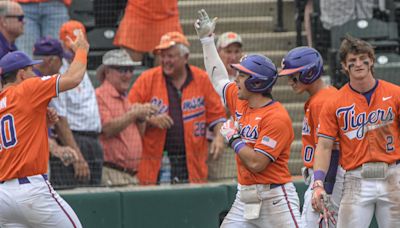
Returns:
<point x="48" y="46"/>
<point x="69" y="28"/>
<point x="228" y="38"/>
<point x="118" y="57"/>
<point x="170" y="39"/>
<point x="16" y="60"/>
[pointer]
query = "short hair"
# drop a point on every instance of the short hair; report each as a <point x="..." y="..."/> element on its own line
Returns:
<point x="4" y="8"/>
<point x="183" y="49"/>
<point x="355" y="46"/>
<point x="9" y="77"/>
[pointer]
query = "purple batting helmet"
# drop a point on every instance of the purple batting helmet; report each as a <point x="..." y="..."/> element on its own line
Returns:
<point x="262" y="71"/>
<point x="305" y="60"/>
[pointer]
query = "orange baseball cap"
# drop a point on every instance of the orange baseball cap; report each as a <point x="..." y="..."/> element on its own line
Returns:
<point x="69" y="28"/>
<point x="170" y="39"/>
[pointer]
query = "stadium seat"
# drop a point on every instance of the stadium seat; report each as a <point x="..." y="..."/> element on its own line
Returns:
<point x="382" y="35"/>
<point x="101" y="41"/>
<point x="82" y="10"/>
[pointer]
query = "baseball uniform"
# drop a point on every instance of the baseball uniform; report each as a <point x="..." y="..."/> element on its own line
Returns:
<point x="26" y="196"/>
<point x="368" y="132"/>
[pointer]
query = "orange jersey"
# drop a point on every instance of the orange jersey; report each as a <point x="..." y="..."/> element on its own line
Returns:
<point x="24" y="140"/>
<point x="366" y="133"/>
<point x="312" y="109"/>
<point x="268" y="130"/>
<point x="201" y="108"/>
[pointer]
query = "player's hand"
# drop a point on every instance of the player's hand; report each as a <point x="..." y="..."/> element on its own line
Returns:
<point x="79" y="43"/>
<point x="52" y="116"/>
<point x="320" y="201"/>
<point x="217" y="146"/>
<point x="142" y="111"/>
<point x="81" y="169"/>
<point x="203" y="25"/>
<point x="163" y="121"/>
<point x="230" y="131"/>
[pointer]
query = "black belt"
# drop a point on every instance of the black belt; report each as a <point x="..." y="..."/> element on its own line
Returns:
<point x="272" y="186"/>
<point x="87" y="133"/>
<point x="25" y="180"/>
<point x="111" y="165"/>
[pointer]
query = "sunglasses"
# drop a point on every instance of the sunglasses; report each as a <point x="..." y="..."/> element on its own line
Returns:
<point x="123" y="69"/>
<point x="19" y="17"/>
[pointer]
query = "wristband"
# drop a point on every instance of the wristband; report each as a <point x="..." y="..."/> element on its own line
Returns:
<point x="319" y="175"/>
<point x="81" y="55"/>
<point x="207" y="39"/>
<point x="237" y="145"/>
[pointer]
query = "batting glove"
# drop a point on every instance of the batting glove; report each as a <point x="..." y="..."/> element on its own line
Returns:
<point x="321" y="202"/>
<point x="230" y="131"/>
<point x="203" y="25"/>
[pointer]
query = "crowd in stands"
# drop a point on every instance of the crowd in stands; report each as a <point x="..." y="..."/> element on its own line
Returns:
<point x="117" y="133"/>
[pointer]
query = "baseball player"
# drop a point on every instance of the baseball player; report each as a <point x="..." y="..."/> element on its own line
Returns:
<point x="303" y="66"/>
<point x="27" y="199"/>
<point x="364" y="116"/>
<point x="260" y="134"/>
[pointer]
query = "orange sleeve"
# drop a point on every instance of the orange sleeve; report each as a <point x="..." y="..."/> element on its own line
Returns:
<point x="39" y="91"/>
<point x="215" y="112"/>
<point x="273" y="138"/>
<point x="138" y="91"/>
<point x="328" y="125"/>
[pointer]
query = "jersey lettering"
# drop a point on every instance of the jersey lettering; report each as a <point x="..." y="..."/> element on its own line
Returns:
<point x="305" y="130"/>
<point x="160" y="104"/>
<point x="8" y="132"/>
<point x="193" y="104"/>
<point x="356" y="126"/>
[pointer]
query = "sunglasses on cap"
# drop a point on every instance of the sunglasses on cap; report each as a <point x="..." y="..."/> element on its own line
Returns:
<point x="123" y="69"/>
<point x="19" y="17"/>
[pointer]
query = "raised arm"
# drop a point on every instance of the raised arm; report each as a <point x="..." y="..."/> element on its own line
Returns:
<point x="74" y="75"/>
<point x="214" y="66"/>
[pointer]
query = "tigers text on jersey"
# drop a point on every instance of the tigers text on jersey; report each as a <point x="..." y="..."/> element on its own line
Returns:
<point x="268" y="130"/>
<point x="312" y="110"/>
<point x="24" y="141"/>
<point x="367" y="133"/>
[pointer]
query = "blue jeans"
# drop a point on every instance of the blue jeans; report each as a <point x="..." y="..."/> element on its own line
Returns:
<point x="41" y="19"/>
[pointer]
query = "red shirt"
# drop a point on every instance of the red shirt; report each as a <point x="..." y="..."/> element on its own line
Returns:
<point x="125" y="148"/>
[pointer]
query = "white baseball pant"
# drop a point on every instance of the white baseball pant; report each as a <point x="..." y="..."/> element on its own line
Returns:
<point x="32" y="202"/>
<point x="364" y="197"/>
<point x="309" y="217"/>
<point x="280" y="208"/>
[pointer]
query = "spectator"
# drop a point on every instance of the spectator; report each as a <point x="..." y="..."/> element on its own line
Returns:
<point x="336" y="13"/>
<point x="11" y="25"/>
<point x="229" y="47"/>
<point x="43" y="18"/>
<point x="81" y="109"/>
<point x="120" y="136"/>
<point x="50" y="51"/>
<point x="188" y="105"/>
<point x="149" y="19"/>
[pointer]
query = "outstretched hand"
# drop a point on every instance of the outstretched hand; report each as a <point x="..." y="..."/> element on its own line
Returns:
<point x="203" y="25"/>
